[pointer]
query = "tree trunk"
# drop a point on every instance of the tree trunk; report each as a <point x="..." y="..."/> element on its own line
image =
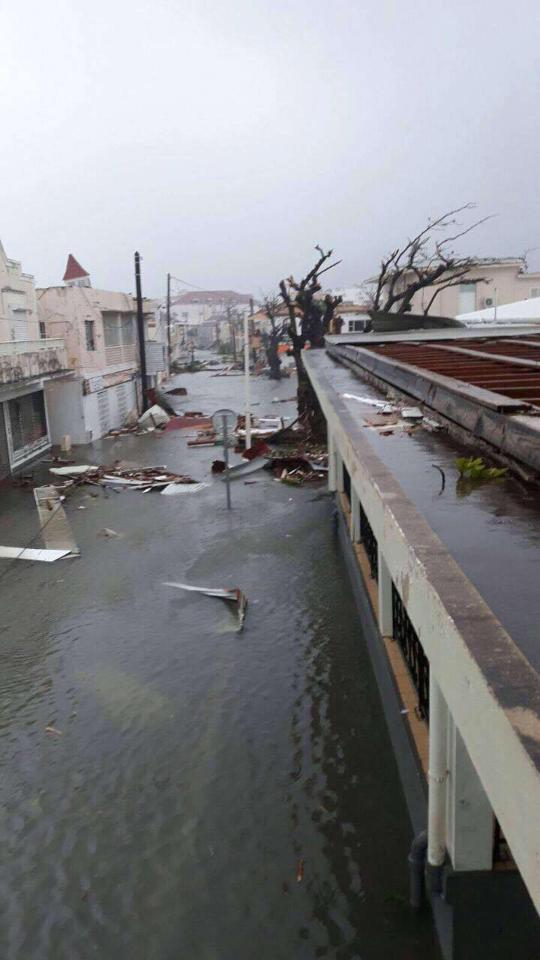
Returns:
<point x="274" y="361"/>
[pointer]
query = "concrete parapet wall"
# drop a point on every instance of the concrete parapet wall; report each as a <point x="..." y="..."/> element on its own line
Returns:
<point x="492" y="692"/>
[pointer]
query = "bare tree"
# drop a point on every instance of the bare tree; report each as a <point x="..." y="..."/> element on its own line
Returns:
<point x="424" y="262"/>
<point x="310" y="318"/>
<point x="278" y="330"/>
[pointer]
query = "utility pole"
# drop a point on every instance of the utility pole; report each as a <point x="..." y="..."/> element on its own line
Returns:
<point x="169" y="319"/>
<point x="140" y="331"/>
<point x="232" y="330"/>
<point x="247" y="385"/>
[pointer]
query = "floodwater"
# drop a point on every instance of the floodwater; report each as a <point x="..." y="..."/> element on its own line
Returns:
<point x="209" y="795"/>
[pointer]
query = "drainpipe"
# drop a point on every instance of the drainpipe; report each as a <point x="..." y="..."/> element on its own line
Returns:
<point x="436" y="833"/>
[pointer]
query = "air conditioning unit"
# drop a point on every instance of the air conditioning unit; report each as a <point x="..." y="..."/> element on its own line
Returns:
<point x="489" y="302"/>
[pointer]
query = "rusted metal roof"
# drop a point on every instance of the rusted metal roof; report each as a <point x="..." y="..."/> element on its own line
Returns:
<point x="510" y="368"/>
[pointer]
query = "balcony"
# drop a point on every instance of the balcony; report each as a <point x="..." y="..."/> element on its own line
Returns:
<point x="23" y="360"/>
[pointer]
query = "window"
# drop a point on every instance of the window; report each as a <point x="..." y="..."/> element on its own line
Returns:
<point x="467" y="298"/>
<point x="42" y="330"/>
<point x="89" y="334"/>
<point x="356" y="326"/>
<point x="127" y="325"/>
<point x="118" y="329"/>
<point x="535" y="292"/>
<point x="27" y="420"/>
<point x="111" y="330"/>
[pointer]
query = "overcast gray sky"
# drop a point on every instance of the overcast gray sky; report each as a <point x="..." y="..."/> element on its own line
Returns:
<point x="224" y="138"/>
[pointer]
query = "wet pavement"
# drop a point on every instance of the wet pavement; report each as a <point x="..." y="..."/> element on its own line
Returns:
<point x="194" y="767"/>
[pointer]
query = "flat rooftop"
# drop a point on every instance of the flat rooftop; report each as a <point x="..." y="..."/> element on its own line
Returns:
<point x="492" y="528"/>
<point x="485" y="384"/>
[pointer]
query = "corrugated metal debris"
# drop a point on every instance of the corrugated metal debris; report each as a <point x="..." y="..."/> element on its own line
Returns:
<point x="231" y="595"/>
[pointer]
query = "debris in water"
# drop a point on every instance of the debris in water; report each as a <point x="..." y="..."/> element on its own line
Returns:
<point x="412" y="413"/>
<point x="173" y="488"/>
<point x="124" y="476"/>
<point x="232" y="595"/>
<point x="107" y="532"/>
<point x="382" y="404"/>
<point x="189" y="419"/>
<point x="80" y="469"/>
<point x="242" y="469"/>
<point x="51" y="729"/>
<point x="26" y="553"/>
<point x="443" y="475"/>
<point x="300" y="870"/>
<point x="153" y="417"/>
<point x="55" y="528"/>
<point x="432" y="424"/>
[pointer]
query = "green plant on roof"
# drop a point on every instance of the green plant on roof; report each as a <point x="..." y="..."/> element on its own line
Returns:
<point x="474" y="468"/>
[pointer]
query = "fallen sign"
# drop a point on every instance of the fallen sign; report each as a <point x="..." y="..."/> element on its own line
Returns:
<point x="27" y="553"/>
<point x="231" y="595"/>
<point x="55" y="528"/>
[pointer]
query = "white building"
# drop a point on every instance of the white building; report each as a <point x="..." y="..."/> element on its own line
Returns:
<point x="28" y="364"/>
<point x="491" y="283"/>
<point x="99" y="327"/>
<point x="205" y="307"/>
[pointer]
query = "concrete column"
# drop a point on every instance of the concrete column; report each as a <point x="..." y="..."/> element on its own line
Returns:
<point x="437" y="775"/>
<point x="339" y="472"/>
<point x="469" y="813"/>
<point x="332" y="472"/>
<point x="386" y="625"/>
<point x="355" y="516"/>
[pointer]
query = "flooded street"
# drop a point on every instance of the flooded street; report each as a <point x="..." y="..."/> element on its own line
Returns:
<point x="197" y="772"/>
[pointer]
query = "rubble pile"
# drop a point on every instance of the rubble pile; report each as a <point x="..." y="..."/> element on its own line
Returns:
<point x="122" y="477"/>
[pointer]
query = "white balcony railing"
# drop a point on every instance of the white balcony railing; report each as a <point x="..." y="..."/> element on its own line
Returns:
<point x="11" y="348"/>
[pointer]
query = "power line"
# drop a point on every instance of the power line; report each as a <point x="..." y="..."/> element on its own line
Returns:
<point x="195" y="286"/>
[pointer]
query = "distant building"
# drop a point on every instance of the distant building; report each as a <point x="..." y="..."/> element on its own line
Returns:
<point x="203" y="307"/>
<point x="29" y="363"/>
<point x="506" y="280"/>
<point x="354" y="317"/>
<point x="99" y="328"/>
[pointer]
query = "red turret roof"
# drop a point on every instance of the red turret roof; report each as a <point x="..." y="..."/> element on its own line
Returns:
<point x="74" y="270"/>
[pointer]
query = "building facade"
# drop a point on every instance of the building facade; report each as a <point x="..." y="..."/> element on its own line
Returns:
<point x="29" y="363"/>
<point x="100" y="332"/>
<point x="209" y="313"/>
<point x="488" y="285"/>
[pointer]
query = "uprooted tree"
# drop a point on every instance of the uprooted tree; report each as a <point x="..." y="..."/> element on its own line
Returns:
<point x="424" y="262"/>
<point x="271" y="339"/>
<point x="310" y="318"/>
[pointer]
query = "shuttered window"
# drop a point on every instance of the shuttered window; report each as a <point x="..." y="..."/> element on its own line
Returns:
<point x="27" y="420"/>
